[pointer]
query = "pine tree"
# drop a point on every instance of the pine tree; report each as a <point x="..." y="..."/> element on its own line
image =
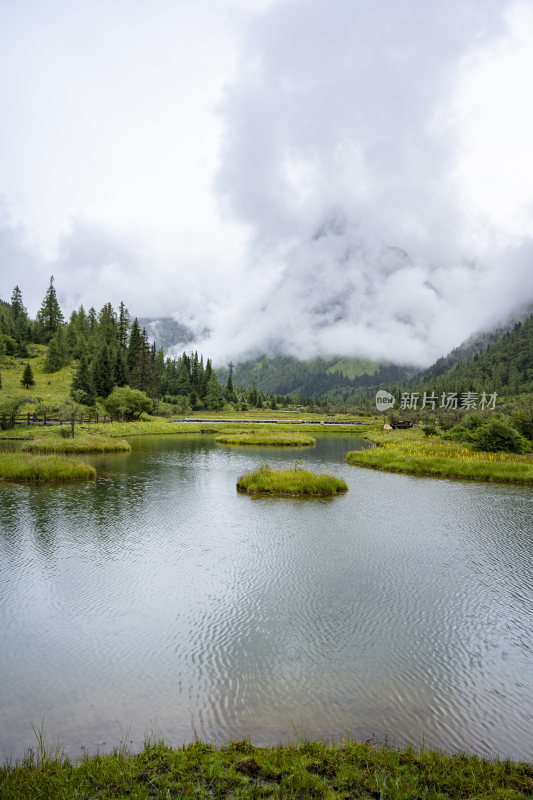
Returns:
<point x="252" y="395"/>
<point x="183" y="381"/>
<point x="82" y="389"/>
<point x="20" y="323"/>
<point x="214" y="399"/>
<point x="123" y="325"/>
<point x="27" y="379"/>
<point x="102" y="372"/>
<point x="120" y="368"/>
<point x="108" y="326"/>
<point x="58" y="353"/>
<point x="141" y="376"/>
<point x="134" y="346"/>
<point x="49" y="316"/>
<point x="230" y="391"/>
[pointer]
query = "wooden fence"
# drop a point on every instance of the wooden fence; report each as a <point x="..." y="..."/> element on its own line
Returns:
<point x="74" y="419"/>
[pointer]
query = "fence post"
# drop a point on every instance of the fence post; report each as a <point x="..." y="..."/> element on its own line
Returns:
<point x="28" y="417"/>
<point x="97" y="417"/>
<point x="44" y="418"/>
<point x="81" y="419"/>
<point x="104" y="419"/>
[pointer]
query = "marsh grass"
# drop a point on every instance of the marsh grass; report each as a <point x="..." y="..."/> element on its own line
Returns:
<point x="267" y="437"/>
<point x="292" y="482"/>
<point x="36" y="468"/>
<point x="416" y="455"/>
<point x="305" y="769"/>
<point x="79" y="444"/>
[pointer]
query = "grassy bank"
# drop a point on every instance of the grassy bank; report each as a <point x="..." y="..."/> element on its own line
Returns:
<point x="412" y="453"/>
<point x="268" y="437"/>
<point x="79" y="444"/>
<point x="305" y="770"/>
<point x="290" y="482"/>
<point x="36" y="468"/>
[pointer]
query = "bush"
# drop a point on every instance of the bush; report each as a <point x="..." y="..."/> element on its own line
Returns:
<point x="498" y="436"/>
<point x="128" y="403"/>
<point x="430" y="430"/>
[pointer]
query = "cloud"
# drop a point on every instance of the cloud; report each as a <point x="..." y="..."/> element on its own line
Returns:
<point x="363" y="151"/>
<point x="299" y="176"/>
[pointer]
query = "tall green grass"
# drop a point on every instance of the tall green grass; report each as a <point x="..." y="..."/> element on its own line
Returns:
<point x="267" y="437"/>
<point x="79" y="444"/>
<point x="416" y="455"/>
<point x="37" y="468"/>
<point x="306" y="770"/>
<point x="296" y="481"/>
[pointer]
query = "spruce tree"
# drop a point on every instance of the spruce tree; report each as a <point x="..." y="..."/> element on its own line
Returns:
<point x="82" y="389"/>
<point x="27" y="379"/>
<point x="20" y="323"/>
<point x="58" y="353"/>
<point x="123" y="325"/>
<point x="183" y="381"/>
<point x="134" y="346"/>
<point x="214" y="399"/>
<point x="49" y="316"/>
<point x="102" y="372"/>
<point x="120" y="368"/>
<point x="141" y="376"/>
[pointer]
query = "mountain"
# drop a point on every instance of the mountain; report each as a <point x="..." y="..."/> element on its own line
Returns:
<point x="504" y="365"/>
<point x="166" y="332"/>
<point x="326" y="378"/>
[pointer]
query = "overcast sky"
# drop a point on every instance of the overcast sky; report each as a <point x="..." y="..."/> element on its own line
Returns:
<point x="302" y="176"/>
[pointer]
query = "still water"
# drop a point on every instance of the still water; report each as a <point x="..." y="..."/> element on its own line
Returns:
<point x="159" y="601"/>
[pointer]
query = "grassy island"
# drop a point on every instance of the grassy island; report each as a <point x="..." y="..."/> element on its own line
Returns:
<point x="331" y="771"/>
<point x="290" y="482"/>
<point x="410" y="452"/>
<point x="79" y="444"/>
<point x="36" y="468"/>
<point x="271" y="438"/>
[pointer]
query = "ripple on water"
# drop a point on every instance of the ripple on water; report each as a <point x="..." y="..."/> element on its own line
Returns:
<point x="157" y="592"/>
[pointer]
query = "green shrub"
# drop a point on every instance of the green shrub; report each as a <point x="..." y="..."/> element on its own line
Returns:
<point x="498" y="436"/>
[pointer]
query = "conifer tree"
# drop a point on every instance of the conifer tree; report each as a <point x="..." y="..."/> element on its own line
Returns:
<point x="120" y="368"/>
<point x="214" y="399"/>
<point x="123" y="325"/>
<point x="20" y="323"/>
<point x="27" y="379"/>
<point x="58" y="353"/>
<point x="230" y="391"/>
<point x="82" y="389"/>
<point x="134" y="346"/>
<point x="102" y="371"/>
<point x="183" y="381"/>
<point x="252" y="396"/>
<point x="141" y="376"/>
<point x="49" y="316"/>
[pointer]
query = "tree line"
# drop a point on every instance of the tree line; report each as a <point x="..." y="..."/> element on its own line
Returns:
<point x="111" y="351"/>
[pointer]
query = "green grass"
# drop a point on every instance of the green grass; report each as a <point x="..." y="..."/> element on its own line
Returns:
<point x="410" y="452"/>
<point x="51" y="388"/>
<point x="268" y="437"/>
<point x="354" y="367"/>
<point x="79" y="444"/>
<point x="306" y="770"/>
<point x="296" y="481"/>
<point x="36" y="468"/>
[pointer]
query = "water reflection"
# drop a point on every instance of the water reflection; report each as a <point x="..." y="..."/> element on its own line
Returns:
<point x="157" y="596"/>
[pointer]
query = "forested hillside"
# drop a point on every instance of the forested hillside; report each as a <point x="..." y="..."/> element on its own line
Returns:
<point x="319" y="378"/>
<point x="505" y="366"/>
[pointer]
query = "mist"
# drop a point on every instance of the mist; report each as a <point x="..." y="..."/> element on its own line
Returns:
<point x="294" y="177"/>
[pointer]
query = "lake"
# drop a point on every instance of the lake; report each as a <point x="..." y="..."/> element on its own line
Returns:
<point x="158" y="601"/>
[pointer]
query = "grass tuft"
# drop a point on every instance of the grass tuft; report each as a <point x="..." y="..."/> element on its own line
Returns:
<point x="79" y="444"/>
<point x="296" y="481"/>
<point x="36" y="468"/>
<point x="330" y="771"/>
<point x="268" y="437"/>
<point x="412" y="453"/>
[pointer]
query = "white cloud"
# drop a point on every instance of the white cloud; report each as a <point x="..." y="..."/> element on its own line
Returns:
<point x="300" y="175"/>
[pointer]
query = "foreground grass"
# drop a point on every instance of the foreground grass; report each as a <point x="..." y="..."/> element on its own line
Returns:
<point x="410" y="452"/>
<point x="290" y="482"/>
<point x="79" y="444"/>
<point x="241" y="771"/>
<point x="267" y="436"/>
<point x="37" y="468"/>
